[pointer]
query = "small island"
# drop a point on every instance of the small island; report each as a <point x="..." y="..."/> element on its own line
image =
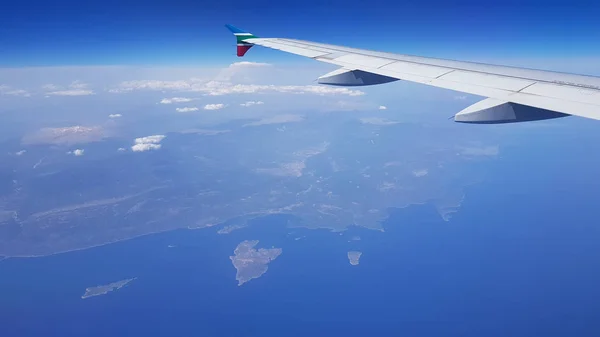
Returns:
<point x="354" y="257"/>
<point x="251" y="263"/>
<point x="105" y="289"/>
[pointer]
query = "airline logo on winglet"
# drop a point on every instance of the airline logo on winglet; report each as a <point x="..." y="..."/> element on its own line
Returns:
<point x="241" y="36"/>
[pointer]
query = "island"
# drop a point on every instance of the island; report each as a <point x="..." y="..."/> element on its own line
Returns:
<point x="354" y="257"/>
<point x="105" y="289"/>
<point x="252" y="263"/>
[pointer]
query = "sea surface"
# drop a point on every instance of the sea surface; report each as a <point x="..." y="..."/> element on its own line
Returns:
<point x="520" y="258"/>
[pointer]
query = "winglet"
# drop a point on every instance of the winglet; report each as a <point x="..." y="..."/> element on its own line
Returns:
<point x="241" y="36"/>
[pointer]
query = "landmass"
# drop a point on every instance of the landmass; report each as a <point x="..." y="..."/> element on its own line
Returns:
<point x="251" y="263"/>
<point x="354" y="257"/>
<point x="105" y="289"/>
<point x="309" y="174"/>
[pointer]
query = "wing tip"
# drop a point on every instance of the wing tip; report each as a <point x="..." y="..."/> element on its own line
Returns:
<point x="234" y="29"/>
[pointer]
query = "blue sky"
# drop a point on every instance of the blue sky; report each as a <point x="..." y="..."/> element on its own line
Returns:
<point x="135" y="32"/>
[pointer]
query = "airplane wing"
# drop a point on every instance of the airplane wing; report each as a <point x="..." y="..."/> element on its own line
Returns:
<point x="514" y="94"/>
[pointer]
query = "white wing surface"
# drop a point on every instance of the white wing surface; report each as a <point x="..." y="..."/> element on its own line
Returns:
<point x="516" y="94"/>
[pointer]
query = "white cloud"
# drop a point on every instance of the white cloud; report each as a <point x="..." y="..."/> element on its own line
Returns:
<point x="147" y="143"/>
<point x="121" y="149"/>
<point x="420" y="173"/>
<point x="175" y="100"/>
<point x="241" y="71"/>
<point x="78" y="85"/>
<point x="251" y="103"/>
<point x="77" y="152"/>
<point x="76" y="88"/>
<point x="145" y="147"/>
<point x="155" y="139"/>
<point x="7" y="90"/>
<point x="382" y="107"/>
<point x="72" y="92"/>
<point x="220" y="88"/>
<point x="186" y="109"/>
<point x="115" y="116"/>
<point x="180" y="85"/>
<point x="18" y="92"/>
<point x="214" y="106"/>
<point x="20" y="153"/>
<point x="248" y="64"/>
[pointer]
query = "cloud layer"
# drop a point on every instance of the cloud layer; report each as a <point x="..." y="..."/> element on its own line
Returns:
<point x="224" y="84"/>
<point x="237" y="78"/>
<point x="218" y="88"/>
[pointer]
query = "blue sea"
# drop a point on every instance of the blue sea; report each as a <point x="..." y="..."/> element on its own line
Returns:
<point x="520" y="258"/>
